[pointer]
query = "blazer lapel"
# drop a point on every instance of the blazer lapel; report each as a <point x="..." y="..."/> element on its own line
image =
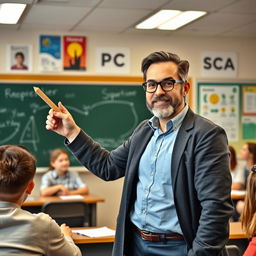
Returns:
<point x="180" y="144"/>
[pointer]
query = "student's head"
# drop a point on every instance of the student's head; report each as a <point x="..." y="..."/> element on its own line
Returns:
<point x="17" y="170"/>
<point x="19" y="56"/>
<point x="165" y="83"/>
<point x="248" y="152"/>
<point x="59" y="160"/>
<point x="248" y="216"/>
<point x="233" y="159"/>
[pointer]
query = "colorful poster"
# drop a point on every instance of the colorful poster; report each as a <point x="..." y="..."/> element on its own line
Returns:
<point x="50" y="53"/>
<point x="19" y="58"/>
<point x="220" y="104"/>
<point x="249" y="99"/>
<point x="74" y="53"/>
<point x="249" y="127"/>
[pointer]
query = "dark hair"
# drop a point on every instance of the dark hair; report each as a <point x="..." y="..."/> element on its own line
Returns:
<point x="19" y="54"/>
<point x="54" y="155"/>
<point x="252" y="150"/>
<point x="157" y="57"/>
<point x="248" y="217"/>
<point x="17" y="168"/>
<point x="233" y="159"/>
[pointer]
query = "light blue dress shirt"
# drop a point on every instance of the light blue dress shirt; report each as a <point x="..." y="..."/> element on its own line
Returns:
<point x="154" y="208"/>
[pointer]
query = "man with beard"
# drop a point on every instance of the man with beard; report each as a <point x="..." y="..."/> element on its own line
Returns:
<point x="176" y="195"/>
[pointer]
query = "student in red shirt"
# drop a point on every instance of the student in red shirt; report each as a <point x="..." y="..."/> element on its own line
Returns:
<point x="248" y="216"/>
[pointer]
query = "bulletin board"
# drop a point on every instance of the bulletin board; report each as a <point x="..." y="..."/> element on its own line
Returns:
<point x="232" y="106"/>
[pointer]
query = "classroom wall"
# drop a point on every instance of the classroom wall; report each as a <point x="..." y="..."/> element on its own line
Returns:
<point x="140" y="45"/>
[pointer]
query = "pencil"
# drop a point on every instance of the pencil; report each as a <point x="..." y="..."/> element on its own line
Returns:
<point x="47" y="100"/>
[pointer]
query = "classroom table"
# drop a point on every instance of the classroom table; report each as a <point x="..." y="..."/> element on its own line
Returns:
<point x="237" y="236"/>
<point x="238" y="194"/>
<point x="102" y="246"/>
<point x="94" y="246"/>
<point x="36" y="202"/>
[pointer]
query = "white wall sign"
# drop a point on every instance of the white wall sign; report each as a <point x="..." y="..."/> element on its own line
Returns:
<point x="113" y="60"/>
<point x="218" y="64"/>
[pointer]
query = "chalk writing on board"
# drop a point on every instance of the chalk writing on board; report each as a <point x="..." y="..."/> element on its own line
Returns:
<point x="30" y="133"/>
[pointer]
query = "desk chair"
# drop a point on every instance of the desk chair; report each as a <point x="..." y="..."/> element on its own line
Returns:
<point x="74" y="214"/>
<point x="233" y="250"/>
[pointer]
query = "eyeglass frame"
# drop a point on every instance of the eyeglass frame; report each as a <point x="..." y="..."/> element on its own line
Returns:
<point x="144" y="85"/>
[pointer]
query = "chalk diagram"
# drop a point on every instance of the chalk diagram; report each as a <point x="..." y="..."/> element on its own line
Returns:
<point x="30" y="133"/>
<point x="85" y="115"/>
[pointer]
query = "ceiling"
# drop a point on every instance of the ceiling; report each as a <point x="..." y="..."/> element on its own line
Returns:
<point x="229" y="18"/>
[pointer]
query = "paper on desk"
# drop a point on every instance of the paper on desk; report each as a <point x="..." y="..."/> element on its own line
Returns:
<point x="71" y="197"/>
<point x="238" y="192"/>
<point x="95" y="232"/>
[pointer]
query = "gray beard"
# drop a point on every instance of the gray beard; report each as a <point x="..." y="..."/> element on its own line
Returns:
<point x="162" y="113"/>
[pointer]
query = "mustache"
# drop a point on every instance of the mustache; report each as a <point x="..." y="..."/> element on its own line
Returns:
<point x="160" y="98"/>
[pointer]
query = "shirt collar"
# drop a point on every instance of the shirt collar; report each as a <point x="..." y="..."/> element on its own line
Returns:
<point x="172" y="124"/>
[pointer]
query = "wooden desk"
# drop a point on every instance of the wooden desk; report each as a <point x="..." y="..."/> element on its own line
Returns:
<point x="236" y="231"/>
<point x="94" y="246"/>
<point x="79" y="239"/>
<point x="105" y="244"/>
<point x="237" y="195"/>
<point x="91" y="200"/>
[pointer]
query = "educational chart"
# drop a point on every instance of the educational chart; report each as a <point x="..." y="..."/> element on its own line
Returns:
<point x="108" y="113"/>
<point x="249" y="112"/>
<point x="220" y="104"/>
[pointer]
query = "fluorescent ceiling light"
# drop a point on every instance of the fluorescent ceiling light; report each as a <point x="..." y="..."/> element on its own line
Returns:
<point x="181" y="20"/>
<point x="157" y="19"/>
<point x="10" y="12"/>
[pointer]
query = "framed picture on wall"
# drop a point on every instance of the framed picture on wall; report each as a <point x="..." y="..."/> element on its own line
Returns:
<point x="19" y="58"/>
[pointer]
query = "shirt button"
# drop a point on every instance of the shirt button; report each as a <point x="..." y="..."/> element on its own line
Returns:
<point x="152" y="173"/>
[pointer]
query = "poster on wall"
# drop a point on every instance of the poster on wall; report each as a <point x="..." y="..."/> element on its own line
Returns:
<point x="249" y="99"/>
<point x="220" y="104"/>
<point x="74" y="53"/>
<point x="249" y="127"/>
<point x="19" y="58"/>
<point x="50" y="53"/>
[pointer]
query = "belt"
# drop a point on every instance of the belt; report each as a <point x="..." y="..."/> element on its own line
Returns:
<point x="157" y="237"/>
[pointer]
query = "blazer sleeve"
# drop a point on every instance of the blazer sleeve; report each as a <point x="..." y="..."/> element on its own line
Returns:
<point x="213" y="186"/>
<point x="104" y="164"/>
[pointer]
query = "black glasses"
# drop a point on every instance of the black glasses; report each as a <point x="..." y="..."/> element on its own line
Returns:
<point x="167" y="85"/>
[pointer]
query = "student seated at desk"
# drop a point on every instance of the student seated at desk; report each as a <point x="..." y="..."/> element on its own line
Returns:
<point x="248" y="216"/>
<point x="24" y="233"/>
<point x="60" y="181"/>
<point x="237" y="173"/>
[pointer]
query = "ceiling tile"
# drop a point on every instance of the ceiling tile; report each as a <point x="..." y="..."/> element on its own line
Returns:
<point x="74" y="3"/>
<point x="49" y="15"/>
<point x="242" y="6"/>
<point x="117" y="20"/>
<point x="133" y="4"/>
<point x="220" y="22"/>
<point x="199" y="5"/>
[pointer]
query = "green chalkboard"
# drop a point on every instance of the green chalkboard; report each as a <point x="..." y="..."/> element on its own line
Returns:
<point x="108" y="113"/>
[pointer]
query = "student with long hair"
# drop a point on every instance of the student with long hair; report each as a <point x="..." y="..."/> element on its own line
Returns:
<point x="236" y="171"/>
<point x="59" y="180"/>
<point x="248" y="154"/>
<point x="248" y="216"/>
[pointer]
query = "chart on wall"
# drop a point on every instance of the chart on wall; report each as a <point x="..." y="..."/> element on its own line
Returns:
<point x="221" y="105"/>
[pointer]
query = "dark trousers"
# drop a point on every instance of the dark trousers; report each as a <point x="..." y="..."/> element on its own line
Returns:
<point x="140" y="247"/>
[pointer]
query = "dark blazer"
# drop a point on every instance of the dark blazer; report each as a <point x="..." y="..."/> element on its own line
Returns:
<point x="201" y="181"/>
